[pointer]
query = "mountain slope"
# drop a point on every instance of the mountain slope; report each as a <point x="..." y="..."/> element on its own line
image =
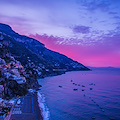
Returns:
<point x="23" y="47"/>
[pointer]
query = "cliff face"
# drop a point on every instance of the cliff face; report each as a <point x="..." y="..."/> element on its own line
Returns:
<point x="23" y="59"/>
<point x="23" y="47"/>
<point x="15" y="79"/>
<point x="12" y="75"/>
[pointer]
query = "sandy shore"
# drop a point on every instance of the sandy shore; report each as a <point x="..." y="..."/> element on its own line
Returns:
<point x="28" y="109"/>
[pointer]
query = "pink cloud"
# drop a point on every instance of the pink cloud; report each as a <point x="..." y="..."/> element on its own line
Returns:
<point x="101" y="54"/>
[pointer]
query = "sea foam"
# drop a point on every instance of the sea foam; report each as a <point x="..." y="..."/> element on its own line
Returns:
<point x="44" y="109"/>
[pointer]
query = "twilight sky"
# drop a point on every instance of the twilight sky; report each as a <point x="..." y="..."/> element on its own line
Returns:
<point x="85" y="30"/>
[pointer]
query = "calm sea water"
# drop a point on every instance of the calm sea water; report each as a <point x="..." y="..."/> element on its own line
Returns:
<point x="97" y="97"/>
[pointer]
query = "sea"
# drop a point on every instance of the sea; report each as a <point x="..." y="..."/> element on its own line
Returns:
<point x="81" y="95"/>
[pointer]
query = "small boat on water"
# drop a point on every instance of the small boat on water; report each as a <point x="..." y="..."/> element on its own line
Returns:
<point x="75" y="89"/>
<point x="91" y="88"/>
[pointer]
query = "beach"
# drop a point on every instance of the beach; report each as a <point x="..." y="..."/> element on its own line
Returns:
<point x="27" y="109"/>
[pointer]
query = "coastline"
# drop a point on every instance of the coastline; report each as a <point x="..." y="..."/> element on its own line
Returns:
<point x="42" y="106"/>
<point x="52" y="75"/>
<point x="40" y="112"/>
<point x="41" y="99"/>
<point x="36" y="107"/>
<point x="92" y="85"/>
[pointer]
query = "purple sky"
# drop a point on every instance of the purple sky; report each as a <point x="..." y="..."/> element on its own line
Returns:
<point x="89" y="29"/>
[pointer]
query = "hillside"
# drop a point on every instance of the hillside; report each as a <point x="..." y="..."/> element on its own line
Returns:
<point x="24" y="48"/>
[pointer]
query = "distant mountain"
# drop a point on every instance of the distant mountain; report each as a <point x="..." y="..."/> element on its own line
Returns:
<point x="103" y="68"/>
<point x="23" y="47"/>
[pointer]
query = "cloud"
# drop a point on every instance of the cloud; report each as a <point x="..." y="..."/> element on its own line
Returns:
<point x="117" y="17"/>
<point x="113" y="13"/>
<point x="105" y="53"/>
<point x="81" y="29"/>
<point x="56" y="17"/>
